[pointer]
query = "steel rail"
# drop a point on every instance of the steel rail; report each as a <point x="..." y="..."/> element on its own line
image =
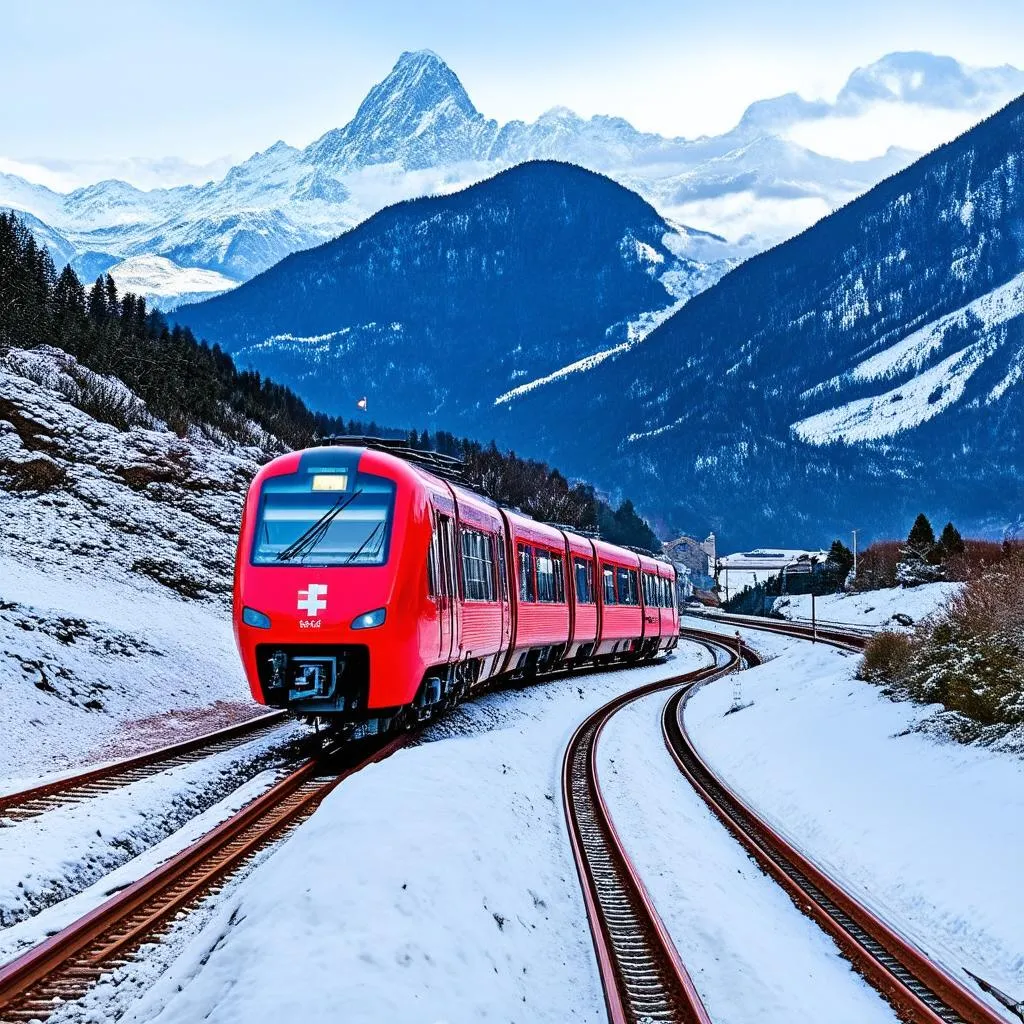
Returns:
<point x="799" y="630"/>
<point x="65" y="965"/>
<point x="920" y="990"/>
<point x="641" y="973"/>
<point x="29" y="803"/>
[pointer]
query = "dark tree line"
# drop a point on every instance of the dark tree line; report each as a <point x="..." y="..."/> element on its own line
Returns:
<point x="183" y="381"/>
<point x="186" y="382"/>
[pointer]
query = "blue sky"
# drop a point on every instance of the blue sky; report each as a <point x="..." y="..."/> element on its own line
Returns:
<point x="91" y="87"/>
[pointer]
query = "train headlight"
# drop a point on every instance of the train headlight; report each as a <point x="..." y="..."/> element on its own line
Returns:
<point x="368" y="620"/>
<point x="251" y="617"/>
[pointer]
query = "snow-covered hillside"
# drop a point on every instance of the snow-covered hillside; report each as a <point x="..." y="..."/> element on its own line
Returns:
<point x="870" y="607"/>
<point x="165" y="285"/>
<point x="116" y="552"/>
<point x="417" y="132"/>
<point x="926" y="832"/>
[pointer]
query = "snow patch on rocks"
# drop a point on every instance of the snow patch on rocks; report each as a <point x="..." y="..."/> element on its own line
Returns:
<point x="116" y="555"/>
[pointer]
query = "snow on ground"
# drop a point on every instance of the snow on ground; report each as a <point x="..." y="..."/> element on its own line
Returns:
<point x="751" y="954"/>
<point x="435" y="886"/>
<point x="900" y="408"/>
<point x="19" y="937"/>
<point x="870" y="608"/>
<point x="927" y="833"/>
<point x="47" y="858"/>
<point x="116" y="551"/>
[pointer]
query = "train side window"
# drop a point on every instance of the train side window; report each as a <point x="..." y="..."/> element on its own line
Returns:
<point x="545" y="576"/>
<point x="649" y="586"/>
<point x="634" y="587"/>
<point x="608" y="577"/>
<point x="477" y="566"/>
<point x="622" y="586"/>
<point x="559" y="577"/>
<point x="502" y="573"/>
<point x="584" y="580"/>
<point x="432" y="567"/>
<point x="627" y="586"/>
<point x="446" y="559"/>
<point x="526" y="588"/>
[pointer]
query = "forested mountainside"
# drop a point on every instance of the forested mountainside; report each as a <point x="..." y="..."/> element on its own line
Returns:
<point x="120" y="364"/>
<point x="436" y="307"/>
<point x="869" y="367"/>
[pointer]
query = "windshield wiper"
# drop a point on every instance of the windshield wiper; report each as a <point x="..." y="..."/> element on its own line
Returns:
<point x="312" y="536"/>
<point x="359" y="550"/>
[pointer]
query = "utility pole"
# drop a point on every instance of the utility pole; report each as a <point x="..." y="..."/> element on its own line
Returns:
<point x="814" y="620"/>
<point x="854" y="554"/>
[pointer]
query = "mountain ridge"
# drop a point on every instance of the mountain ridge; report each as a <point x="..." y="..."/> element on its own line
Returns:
<point x="546" y="262"/>
<point x="421" y="122"/>
<point x="890" y="331"/>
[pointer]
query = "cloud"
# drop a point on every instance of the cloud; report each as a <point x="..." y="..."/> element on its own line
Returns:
<point x="142" y="172"/>
<point x="913" y="101"/>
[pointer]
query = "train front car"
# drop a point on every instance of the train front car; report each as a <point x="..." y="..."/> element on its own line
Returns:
<point x="330" y="578"/>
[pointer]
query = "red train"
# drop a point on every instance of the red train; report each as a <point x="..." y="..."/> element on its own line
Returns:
<point x="369" y="590"/>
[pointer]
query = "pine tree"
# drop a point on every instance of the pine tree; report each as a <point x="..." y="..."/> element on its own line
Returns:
<point x="841" y="557"/>
<point x="98" y="302"/>
<point x="951" y="542"/>
<point x="921" y="538"/>
<point x="921" y="557"/>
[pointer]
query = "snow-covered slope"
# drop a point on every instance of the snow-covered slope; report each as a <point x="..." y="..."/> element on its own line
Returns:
<point x="554" y="265"/>
<point x="870" y="607"/>
<point x="927" y="833"/>
<point x="418" y="132"/>
<point x="864" y="370"/>
<point x="116" y="552"/>
<point x="165" y="285"/>
<point x="926" y="388"/>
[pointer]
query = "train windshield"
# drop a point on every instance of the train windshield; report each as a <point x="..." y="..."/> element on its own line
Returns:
<point x="300" y="525"/>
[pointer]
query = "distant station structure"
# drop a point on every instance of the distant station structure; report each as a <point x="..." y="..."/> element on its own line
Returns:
<point x="694" y="561"/>
<point x="748" y="568"/>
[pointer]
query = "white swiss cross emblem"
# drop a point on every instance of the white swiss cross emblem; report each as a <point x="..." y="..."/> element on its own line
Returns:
<point x="313" y="599"/>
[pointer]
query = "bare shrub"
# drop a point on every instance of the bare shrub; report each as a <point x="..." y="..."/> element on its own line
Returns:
<point x="108" y="403"/>
<point x="970" y="656"/>
<point x="877" y="565"/>
<point x="887" y="657"/>
<point x="978" y="555"/>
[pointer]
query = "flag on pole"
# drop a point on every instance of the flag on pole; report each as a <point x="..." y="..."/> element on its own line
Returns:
<point x="361" y="404"/>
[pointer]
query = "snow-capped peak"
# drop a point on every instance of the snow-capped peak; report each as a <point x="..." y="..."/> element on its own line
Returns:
<point x="419" y="116"/>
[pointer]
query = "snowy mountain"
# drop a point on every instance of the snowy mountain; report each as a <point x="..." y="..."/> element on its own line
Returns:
<point x="544" y="266"/>
<point x="164" y="285"/>
<point x="418" y="117"/>
<point x="417" y="132"/>
<point x="869" y="368"/>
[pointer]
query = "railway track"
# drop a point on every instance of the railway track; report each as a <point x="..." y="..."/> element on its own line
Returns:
<point x="66" y="964"/>
<point x="920" y="990"/>
<point x="848" y="639"/>
<point x="641" y="973"/>
<point x="30" y="803"/>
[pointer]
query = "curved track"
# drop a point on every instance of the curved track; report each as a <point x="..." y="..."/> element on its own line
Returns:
<point x="65" y="965"/>
<point x="851" y="638"/>
<point x="642" y="975"/>
<point x="919" y="990"/>
<point x="30" y="803"/>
